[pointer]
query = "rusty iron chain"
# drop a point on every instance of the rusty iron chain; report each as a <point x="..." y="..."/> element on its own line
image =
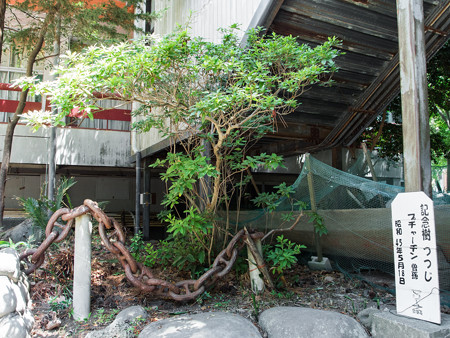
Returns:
<point x="139" y="275"/>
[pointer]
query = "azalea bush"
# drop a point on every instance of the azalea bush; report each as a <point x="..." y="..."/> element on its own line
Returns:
<point x="213" y="100"/>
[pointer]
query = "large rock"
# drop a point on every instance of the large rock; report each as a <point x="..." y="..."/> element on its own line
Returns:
<point x="293" y="322"/>
<point x="202" y="325"/>
<point x="388" y="324"/>
<point x="13" y="326"/>
<point x="24" y="232"/>
<point x="16" y="319"/>
<point x="121" y="327"/>
<point x="10" y="264"/>
<point x="8" y="297"/>
<point x="366" y="316"/>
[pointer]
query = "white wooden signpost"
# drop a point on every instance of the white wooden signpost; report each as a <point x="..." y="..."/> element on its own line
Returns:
<point x="415" y="257"/>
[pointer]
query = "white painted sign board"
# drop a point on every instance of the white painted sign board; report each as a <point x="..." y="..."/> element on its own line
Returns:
<point x="415" y="257"/>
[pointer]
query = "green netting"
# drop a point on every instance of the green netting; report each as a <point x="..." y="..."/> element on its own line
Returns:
<point x="356" y="212"/>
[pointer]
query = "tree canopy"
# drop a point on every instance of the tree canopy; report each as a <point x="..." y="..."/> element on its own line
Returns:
<point x="200" y="94"/>
<point x="387" y="138"/>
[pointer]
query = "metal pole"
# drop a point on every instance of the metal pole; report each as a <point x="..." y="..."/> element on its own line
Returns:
<point x="137" y="219"/>
<point x="414" y="94"/>
<point x="146" y="207"/>
<point x="82" y="268"/>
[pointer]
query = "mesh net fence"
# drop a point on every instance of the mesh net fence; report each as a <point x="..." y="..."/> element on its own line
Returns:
<point x="356" y="212"/>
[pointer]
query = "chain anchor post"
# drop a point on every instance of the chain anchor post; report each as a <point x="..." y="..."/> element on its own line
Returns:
<point x="82" y="268"/>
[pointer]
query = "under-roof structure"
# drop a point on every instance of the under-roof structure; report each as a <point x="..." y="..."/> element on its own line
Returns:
<point x="368" y="78"/>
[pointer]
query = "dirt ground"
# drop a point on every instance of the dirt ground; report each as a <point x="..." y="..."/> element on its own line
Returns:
<point x="111" y="292"/>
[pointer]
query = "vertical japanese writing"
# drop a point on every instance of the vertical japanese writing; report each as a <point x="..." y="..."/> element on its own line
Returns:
<point x="399" y="252"/>
<point x="415" y="257"/>
<point x="424" y="213"/>
<point x="428" y="274"/>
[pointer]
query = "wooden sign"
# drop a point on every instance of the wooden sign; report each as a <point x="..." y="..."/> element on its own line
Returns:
<point x="415" y="257"/>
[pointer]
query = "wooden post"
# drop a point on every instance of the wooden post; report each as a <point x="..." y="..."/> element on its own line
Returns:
<point x="369" y="162"/>
<point x="312" y="197"/>
<point x="414" y="94"/>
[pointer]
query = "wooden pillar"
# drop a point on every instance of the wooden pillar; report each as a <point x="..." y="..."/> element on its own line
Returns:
<point x="336" y="157"/>
<point x="414" y="95"/>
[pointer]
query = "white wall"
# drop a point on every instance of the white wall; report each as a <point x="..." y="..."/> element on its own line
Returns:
<point x="84" y="147"/>
<point x="206" y="17"/>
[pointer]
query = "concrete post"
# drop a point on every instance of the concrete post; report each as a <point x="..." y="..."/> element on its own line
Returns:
<point x="414" y="93"/>
<point x="82" y="268"/>
<point x="257" y="283"/>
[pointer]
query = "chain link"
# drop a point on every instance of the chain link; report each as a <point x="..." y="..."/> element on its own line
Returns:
<point x="138" y="274"/>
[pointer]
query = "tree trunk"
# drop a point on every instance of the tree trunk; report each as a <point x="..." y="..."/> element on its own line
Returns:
<point x="7" y="146"/>
<point x="2" y="25"/>
<point x="448" y="175"/>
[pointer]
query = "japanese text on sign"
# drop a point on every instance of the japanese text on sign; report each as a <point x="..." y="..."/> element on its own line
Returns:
<point x="415" y="257"/>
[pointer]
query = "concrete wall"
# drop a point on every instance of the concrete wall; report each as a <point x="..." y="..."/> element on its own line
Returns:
<point x="119" y="192"/>
<point x="82" y="147"/>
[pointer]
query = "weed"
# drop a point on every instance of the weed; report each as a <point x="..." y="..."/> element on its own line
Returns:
<point x="353" y="305"/>
<point x="283" y="254"/>
<point x="282" y="295"/>
<point x="201" y="299"/>
<point x="102" y="318"/>
<point x="10" y="244"/>
<point x="63" y="304"/>
<point x="256" y="305"/>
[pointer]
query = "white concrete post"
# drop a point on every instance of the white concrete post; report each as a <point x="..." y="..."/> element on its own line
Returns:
<point x="82" y="268"/>
<point x="257" y="283"/>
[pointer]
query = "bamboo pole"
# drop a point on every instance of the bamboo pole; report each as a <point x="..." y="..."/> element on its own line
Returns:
<point x="312" y="197"/>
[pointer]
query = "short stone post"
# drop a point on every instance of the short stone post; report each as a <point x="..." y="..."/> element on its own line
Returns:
<point x="82" y="268"/>
<point x="257" y="283"/>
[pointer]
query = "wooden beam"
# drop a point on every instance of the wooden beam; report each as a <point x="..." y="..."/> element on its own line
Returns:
<point x="414" y="94"/>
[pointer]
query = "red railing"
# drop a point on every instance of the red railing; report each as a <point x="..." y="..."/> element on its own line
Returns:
<point x="10" y="106"/>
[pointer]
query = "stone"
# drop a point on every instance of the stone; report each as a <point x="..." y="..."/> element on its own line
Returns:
<point x="328" y="279"/>
<point x="10" y="264"/>
<point x="13" y="325"/>
<point x="21" y="303"/>
<point x="53" y="324"/>
<point x="366" y="316"/>
<point x="10" y="222"/>
<point x="293" y="322"/>
<point x="28" y="319"/>
<point x="25" y="294"/>
<point x="202" y="325"/>
<point x="24" y="232"/>
<point x="122" y="325"/>
<point x="390" y="324"/>
<point x="325" y="264"/>
<point x="8" y="297"/>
